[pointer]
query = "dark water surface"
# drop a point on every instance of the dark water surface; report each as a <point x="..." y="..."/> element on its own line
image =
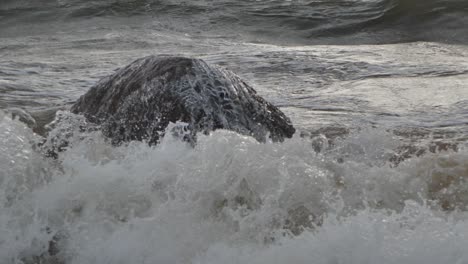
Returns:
<point x="287" y="22"/>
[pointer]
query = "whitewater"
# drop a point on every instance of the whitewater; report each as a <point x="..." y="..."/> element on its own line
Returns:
<point x="377" y="171"/>
<point x="176" y="204"/>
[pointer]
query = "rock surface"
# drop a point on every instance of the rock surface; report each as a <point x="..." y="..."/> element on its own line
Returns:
<point x="139" y="101"/>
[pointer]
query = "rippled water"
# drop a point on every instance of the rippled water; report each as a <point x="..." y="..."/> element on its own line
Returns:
<point x="376" y="174"/>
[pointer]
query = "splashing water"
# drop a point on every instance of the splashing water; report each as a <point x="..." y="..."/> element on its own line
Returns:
<point x="229" y="199"/>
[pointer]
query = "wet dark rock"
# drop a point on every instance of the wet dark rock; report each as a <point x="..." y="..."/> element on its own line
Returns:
<point x="139" y="101"/>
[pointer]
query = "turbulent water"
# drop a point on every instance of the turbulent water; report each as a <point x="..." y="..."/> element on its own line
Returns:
<point x="377" y="172"/>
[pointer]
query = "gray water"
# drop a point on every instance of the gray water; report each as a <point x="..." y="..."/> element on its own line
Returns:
<point x="377" y="89"/>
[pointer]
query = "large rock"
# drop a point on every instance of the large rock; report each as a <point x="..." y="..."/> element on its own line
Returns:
<point x="138" y="102"/>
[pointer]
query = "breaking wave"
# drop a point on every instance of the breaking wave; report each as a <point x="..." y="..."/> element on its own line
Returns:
<point x="229" y="199"/>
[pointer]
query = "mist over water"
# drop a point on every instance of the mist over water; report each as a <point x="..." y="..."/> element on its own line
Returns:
<point x="377" y="172"/>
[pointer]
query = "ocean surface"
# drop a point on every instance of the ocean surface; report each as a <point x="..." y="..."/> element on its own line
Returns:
<point x="377" y="172"/>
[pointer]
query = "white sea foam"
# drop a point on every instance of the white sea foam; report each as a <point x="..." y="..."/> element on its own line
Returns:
<point x="229" y="200"/>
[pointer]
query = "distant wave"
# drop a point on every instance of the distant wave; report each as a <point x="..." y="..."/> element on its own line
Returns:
<point x="312" y="21"/>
